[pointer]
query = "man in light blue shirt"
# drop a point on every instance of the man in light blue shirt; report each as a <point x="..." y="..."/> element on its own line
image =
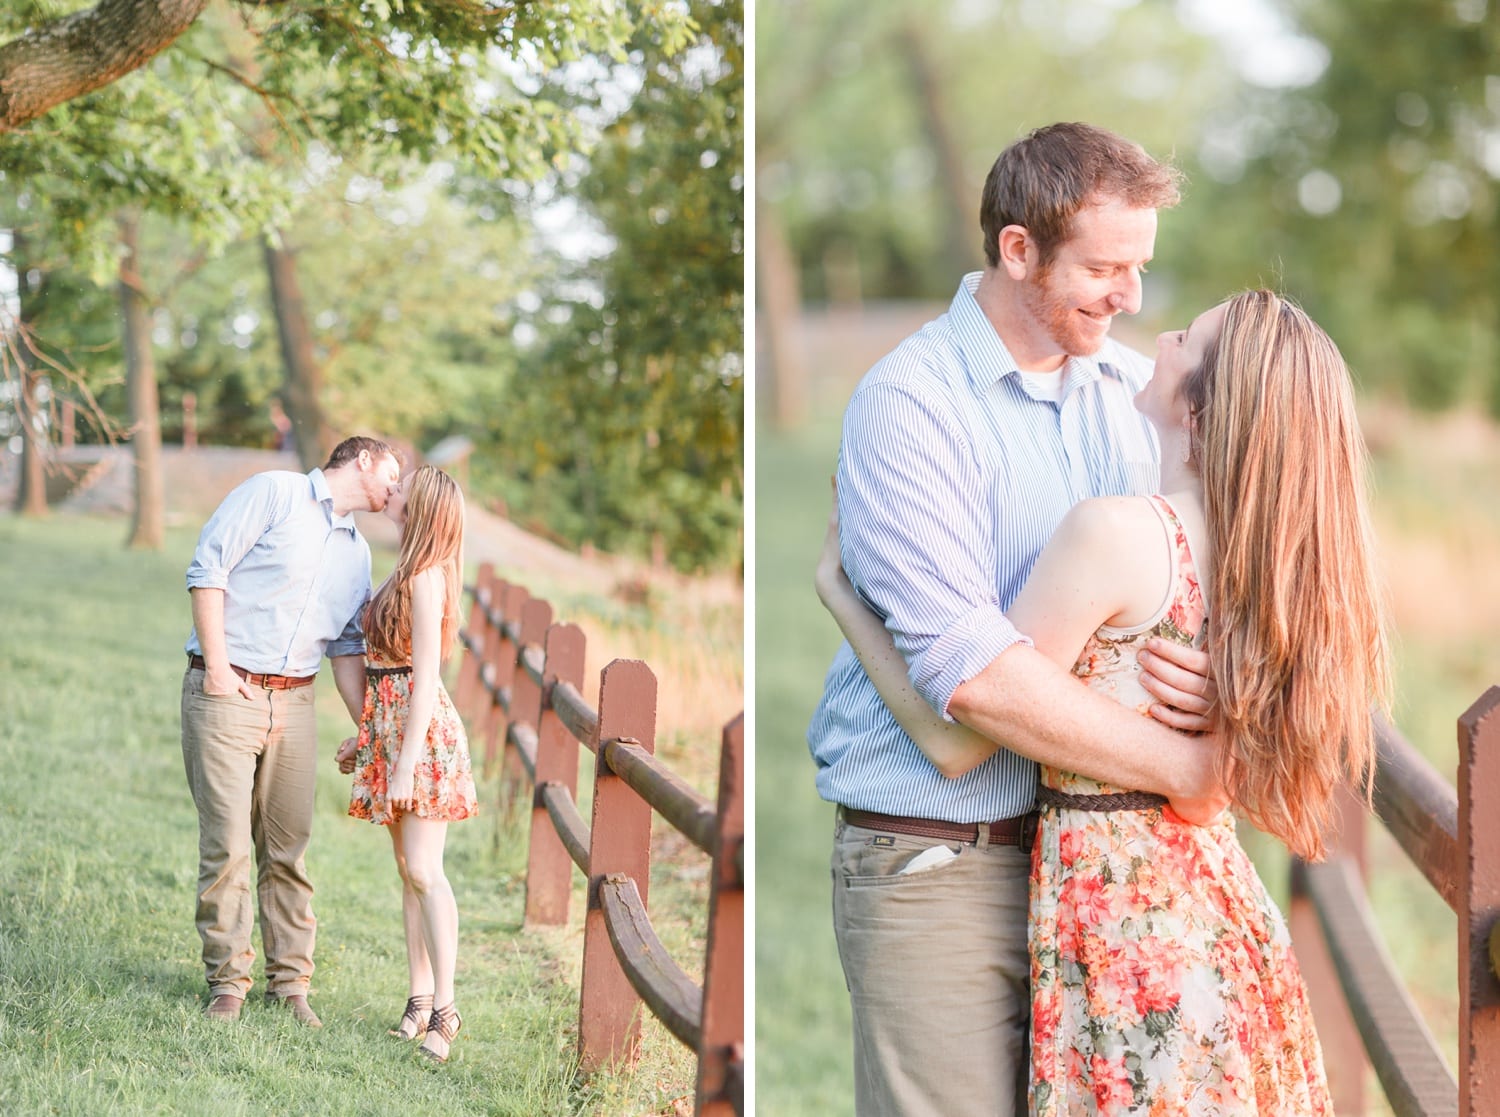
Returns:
<point x="278" y="580"/>
<point x="962" y="450"/>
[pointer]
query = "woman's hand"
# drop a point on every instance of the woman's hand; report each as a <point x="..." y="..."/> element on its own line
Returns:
<point x="399" y="792"/>
<point x="829" y="578"/>
<point x="1180" y="678"/>
<point x="345" y="756"/>
<point x="1203" y="797"/>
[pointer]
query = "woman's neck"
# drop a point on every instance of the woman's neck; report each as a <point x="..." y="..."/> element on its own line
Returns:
<point x="1177" y="474"/>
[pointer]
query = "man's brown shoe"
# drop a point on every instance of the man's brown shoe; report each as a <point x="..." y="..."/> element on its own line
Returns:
<point x="224" y="1007"/>
<point x="297" y="1005"/>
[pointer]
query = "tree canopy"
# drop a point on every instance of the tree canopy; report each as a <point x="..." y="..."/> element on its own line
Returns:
<point x="398" y="151"/>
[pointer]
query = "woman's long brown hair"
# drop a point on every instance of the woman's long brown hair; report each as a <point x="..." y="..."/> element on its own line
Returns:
<point x="1296" y="631"/>
<point x="433" y="535"/>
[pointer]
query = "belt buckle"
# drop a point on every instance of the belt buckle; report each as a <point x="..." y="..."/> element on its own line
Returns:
<point x="264" y="682"/>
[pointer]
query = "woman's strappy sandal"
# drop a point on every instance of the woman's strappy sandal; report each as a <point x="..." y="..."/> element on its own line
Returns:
<point x="444" y="1024"/>
<point x="418" y="1013"/>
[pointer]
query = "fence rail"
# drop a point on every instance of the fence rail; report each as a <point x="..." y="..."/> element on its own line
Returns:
<point x="1364" y="1010"/>
<point x="519" y="687"/>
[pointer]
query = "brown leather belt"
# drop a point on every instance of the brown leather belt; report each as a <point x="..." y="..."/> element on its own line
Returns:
<point x="1016" y="831"/>
<point x="265" y="682"/>
<point x="381" y="672"/>
<point x="1109" y="801"/>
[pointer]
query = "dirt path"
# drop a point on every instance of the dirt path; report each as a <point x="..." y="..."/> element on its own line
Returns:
<point x="197" y="480"/>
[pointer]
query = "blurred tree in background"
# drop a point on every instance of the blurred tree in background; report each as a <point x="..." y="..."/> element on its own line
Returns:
<point x="336" y="216"/>
<point x="1352" y="161"/>
<point x="875" y="133"/>
<point x="1370" y="193"/>
<point x="645" y="344"/>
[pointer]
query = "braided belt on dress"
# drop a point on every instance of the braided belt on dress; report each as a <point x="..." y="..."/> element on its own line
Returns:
<point x="377" y="672"/>
<point x="1117" y="801"/>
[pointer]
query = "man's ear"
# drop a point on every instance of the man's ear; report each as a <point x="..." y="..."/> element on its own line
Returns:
<point x="364" y="460"/>
<point x="1018" y="252"/>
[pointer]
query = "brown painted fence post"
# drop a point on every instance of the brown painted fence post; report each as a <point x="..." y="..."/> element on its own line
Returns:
<point x="511" y="609"/>
<point x="720" y="1048"/>
<point x="469" y="697"/>
<point x="609" y="1029"/>
<point x="500" y="666"/>
<point x="549" y="869"/>
<point x="1479" y="910"/>
<point x="489" y="585"/>
<point x="1343" y="1050"/>
<point x="526" y="693"/>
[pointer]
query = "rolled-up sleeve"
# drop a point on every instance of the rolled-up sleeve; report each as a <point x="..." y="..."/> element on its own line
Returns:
<point x="351" y="641"/>
<point x="916" y="538"/>
<point x="235" y="527"/>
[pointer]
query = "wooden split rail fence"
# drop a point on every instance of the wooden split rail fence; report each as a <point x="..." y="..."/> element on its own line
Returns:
<point x="520" y="690"/>
<point x="1362" y="1008"/>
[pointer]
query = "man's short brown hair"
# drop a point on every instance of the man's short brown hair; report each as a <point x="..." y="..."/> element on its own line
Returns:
<point x="349" y="449"/>
<point x="1041" y="181"/>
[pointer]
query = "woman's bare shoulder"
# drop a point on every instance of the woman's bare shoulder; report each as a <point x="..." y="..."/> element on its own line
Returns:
<point x="429" y="582"/>
<point x="1101" y="519"/>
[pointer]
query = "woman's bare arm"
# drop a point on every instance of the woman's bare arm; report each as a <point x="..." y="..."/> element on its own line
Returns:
<point x="952" y="748"/>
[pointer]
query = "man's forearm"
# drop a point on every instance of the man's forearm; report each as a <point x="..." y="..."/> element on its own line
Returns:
<point x="349" y="677"/>
<point x="208" y="623"/>
<point x="1037" y="709"/>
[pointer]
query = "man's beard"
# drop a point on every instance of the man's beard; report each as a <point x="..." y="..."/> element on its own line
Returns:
<point x="1062" y="322"/>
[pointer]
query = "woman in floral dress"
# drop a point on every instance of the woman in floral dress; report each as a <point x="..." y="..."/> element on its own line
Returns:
<point x="1163" y="978"/>
<point x="411" y="758"/>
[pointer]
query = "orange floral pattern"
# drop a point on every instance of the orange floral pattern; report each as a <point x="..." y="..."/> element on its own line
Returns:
<point x="444" y="784"/>
<point x="1162" y="974"/>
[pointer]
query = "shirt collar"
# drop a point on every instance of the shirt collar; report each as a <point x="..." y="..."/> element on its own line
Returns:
<point x="987" y="361"/>
<point x="324" y="496"/>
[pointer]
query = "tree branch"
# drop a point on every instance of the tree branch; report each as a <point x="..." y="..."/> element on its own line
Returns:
<point x="267" y="97"/>
<point x="82" y="52"/>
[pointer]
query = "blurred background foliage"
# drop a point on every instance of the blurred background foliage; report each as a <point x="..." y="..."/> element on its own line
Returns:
<point x="1324" y="152"/>
<point x="517" y="224"/>
<point x="1345" y="151"/>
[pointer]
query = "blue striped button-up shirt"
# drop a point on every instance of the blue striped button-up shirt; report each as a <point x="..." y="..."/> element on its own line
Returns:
<point x="952" y="477"/>
<point x="294" y="575"/>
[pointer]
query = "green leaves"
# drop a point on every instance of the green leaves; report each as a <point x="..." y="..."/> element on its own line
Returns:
<point x="645" y="365"/>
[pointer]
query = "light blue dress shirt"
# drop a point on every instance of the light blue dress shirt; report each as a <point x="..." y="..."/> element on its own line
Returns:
<point x="952" y="476"/>
<point x="294" y="575"/>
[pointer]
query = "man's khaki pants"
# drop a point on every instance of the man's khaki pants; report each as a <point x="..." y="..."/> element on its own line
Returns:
<point x="937" y="969"/>
<point x="250" y="767"/>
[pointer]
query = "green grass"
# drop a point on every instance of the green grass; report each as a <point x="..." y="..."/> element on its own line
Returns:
<point x="803" y="1059"/>
<point x="101" y="988"/>
<point x="803" y="1055"/>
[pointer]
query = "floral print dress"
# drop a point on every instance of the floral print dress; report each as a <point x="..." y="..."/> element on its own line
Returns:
<point x="443" y="787"/>
<point x="1162" y="974"/>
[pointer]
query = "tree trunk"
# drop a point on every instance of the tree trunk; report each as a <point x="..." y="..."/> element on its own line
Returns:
<point x="31" y="489"/>
<point x="304" y="376"/>
<point x="778" y="293"/>
<point x="148" y="522"/>
<point x="960" y="205"/>
<point x="65" y="58"/>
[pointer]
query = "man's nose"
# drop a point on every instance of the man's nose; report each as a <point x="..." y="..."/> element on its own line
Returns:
<point x="1126" y="298"/>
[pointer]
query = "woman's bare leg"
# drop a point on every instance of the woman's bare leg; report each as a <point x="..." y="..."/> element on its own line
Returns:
<point x="418" y="962"/>
<point x="422" y="842"/>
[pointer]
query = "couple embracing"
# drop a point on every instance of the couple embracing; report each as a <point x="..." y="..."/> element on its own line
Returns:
<point x="280" y="578"/>
<point x="1090" y="602"/>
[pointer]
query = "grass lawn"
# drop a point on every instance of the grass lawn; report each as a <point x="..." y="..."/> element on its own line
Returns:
<point x="1426" y="506"/>
<point x="101" y="987"/>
